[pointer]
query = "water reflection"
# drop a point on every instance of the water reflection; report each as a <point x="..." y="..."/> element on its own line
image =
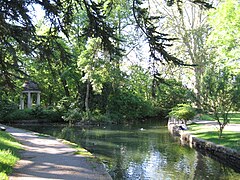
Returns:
<point x="148" y="153"/>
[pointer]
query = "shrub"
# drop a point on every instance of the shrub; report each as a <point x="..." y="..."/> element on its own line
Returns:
<point x="18" y="114"/>
<point x="183" y="112"/>
<point x="46" y="114"/>
<point x="6" y="108"/>
<point x="33" y="114"/>
<point x="128" y="106"/>
<point x="38" y="112"/>
<point x="73" y="115"/>
<point x="97" y="116"/>
<point x="52" y="116"/>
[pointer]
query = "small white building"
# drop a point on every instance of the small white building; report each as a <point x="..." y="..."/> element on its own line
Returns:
<point x="31" y="90"/>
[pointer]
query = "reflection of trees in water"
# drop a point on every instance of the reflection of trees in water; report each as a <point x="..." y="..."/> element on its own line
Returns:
<point x="209" y="169"/>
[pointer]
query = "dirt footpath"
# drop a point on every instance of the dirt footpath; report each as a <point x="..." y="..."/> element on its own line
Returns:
<point x="48" y="158"/>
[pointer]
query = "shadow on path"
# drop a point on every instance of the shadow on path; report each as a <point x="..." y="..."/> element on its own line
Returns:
<point x="47" y="158"/>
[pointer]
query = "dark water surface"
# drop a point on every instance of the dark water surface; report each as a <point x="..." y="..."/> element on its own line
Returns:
<point x="145" y="151"/>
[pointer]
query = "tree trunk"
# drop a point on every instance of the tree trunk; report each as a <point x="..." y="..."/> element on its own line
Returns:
<point x="87" y="96"/>
<point x="220" y="131"/>
<point x="65" y="86"/>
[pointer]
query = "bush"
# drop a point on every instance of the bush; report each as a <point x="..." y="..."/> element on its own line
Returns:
<point x="18" y="114"/>
<point x="97" y="116"/>
<point x="183" y="112"/>
<point x="6" y="108"/>
<point x="73" y="115"/>
<point x="50" y="115"/>
<point x="53" y="116"/>
<point x="128" y="106"/>
<point x="33" y="114"/>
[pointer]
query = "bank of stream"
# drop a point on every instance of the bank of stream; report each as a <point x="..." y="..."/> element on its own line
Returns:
<point x="140" y="151"/>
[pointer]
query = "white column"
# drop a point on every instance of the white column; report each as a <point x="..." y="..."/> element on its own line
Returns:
<point x="29" y="101"/>
<point x="21" y="102"/>
<point x="38" y="98"/>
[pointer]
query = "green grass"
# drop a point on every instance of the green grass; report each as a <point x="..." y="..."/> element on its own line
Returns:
<point x="83" y="152"/>
<point x="206" y="117"/>
<point x="234" y="117"/>
<point x="79" y="150"/>
<point x="9" y="148"/>
<point x="230" y="139"/>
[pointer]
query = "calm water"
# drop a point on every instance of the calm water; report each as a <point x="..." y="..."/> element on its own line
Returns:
<point x="145" y="151"/>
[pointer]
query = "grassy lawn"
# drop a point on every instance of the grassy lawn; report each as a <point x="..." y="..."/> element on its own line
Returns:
<point x="8" y="154"/>
<point x="230" y="139"/>
<point x="234" y="117"/>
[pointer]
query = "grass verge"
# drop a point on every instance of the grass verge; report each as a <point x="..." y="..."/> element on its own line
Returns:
<point x="83" y="152"/>
<point x="230" y="139"/>
<point x="9" y="155"/>
<point x="233" y="117"/>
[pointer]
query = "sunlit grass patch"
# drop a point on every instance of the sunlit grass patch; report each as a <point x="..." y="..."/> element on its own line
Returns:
<point x="41" y="135"/>
<point x="9" y="155"/>
<point x="82" y="151"/>
<point x="206" y="117"/>
<point x="79" y="150"/>
<point x="234" y="118"/>
<point x="229" y="139"/>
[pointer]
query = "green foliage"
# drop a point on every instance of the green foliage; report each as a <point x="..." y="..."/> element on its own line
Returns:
<point x="84" y="72"/>
<point x="6" y="107"/>
<point x="170" y="93"/>
<point x="76" y="115"/>
<point x="225" y="34"/>
<point x="129" y="106"/>
<point x="73" y="115"/>
<point x="220" y="90"/>
<point x="25" y="114"/>
<point x="8" y="154"/>
<point x="183" y="112"/>
<point x="37" y="113"/>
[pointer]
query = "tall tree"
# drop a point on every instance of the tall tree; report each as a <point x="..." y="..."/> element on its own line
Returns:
<point x="225" y="36"/>
<point x="191" y="29"/>
<point x="220" y="89"/>
<point x="18" y="33"/>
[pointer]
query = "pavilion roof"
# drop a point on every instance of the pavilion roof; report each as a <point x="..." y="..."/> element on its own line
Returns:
<point x="30" y="86"/>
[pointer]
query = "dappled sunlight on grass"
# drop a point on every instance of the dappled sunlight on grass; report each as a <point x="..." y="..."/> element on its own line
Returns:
<point x="235" y="120"/>
<point x="233" y="117"/>
<point x="8" y="154"/>
<point x="207" y="132"/>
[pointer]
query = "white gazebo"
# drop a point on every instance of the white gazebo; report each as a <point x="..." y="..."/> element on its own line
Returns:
<point x="30" y="88"/>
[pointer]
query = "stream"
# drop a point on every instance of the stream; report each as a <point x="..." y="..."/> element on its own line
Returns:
<point x="142" y="151"/>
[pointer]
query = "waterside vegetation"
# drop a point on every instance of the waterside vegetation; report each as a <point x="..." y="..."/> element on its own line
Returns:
<point x="230" y="138"/>
<point x="93" y="65"/>
<point x="9" y="154"/>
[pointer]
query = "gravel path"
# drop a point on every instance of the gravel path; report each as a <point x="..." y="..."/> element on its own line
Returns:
<point x="48" y="158"/>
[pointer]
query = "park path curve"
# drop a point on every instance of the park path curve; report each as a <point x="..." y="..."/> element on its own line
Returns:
<point x="48" y="158"/>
